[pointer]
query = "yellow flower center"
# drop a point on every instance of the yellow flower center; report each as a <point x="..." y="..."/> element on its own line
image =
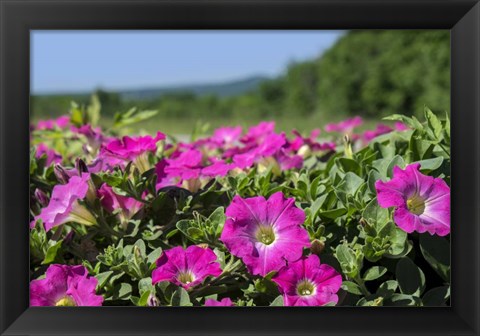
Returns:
<point x="185" y="277"/>
<point x="416" y="204"/>
<point x="66" y="301"/>
<point x="265" y="234"/>
<point x="305" y="288"/>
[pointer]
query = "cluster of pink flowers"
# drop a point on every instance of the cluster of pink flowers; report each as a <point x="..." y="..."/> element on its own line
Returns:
<point x="269" y="237"/>
<point x="347" y="127"/>
<point x="266" y="234"/>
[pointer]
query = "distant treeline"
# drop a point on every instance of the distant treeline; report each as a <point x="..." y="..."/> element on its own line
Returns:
<point x="369" y="73"/>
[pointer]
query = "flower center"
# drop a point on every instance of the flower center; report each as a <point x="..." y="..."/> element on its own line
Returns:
<point x="416" y="204"/>
<point x="265" y="234"/>
<point x="66" y="301"/>
<point x="185" y="277"/>
<point x="305" y="288"/>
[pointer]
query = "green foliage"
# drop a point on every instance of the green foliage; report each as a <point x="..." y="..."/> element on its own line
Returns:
<point x="380" y="263"/>
<point x="376" y="73"/>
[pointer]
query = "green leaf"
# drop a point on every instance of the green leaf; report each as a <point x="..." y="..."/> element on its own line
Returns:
<point x="145" y="285"/>
<point x="277" y="302"/>
<point x="374" y="272"/>
<point x="103" y="279"/>
<point x="431" y="164"/>
<point x="347" y="259"/>
<point x="403" y="300"/>
<point x="76" y="115"/>
<point x="332" y="214"/>
<point x="436" y="251"/>
<point x="412" y="122"/>
<point x="349" y="165"/>
<point x="180" y="298"/>
<point x="410" y="277"/>
<point x="351" y="287"/>
<point x="154" y="255"/>
<point x="217" y="219"/>
<point x="387" y="289"/>
<point x="433" y="123"/>
<point x="52" y="251"/>
<point x="375" y="215"/>
<point x="396" y="161"/>
<point x="122" y="291"/>
<point x="132" y="116"/>
<point x="142" y="301"/>
<point x="350" y="183"/>
<point x="436" y="297"/>
<point x="93" y="110"/>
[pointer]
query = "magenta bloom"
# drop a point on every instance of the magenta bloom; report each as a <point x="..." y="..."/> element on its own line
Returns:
<point x="422" y="203"/>
<point x="186" y="267"/>
<point x="60" y="122"/>
<point x="218" y="168"/>
<point x="258" y="132"/>
<point x="400" y="127"/>
<point x="94" y="137"/>
<point x="267" y="146"/>
<point x="306" y="282"/>
<point x="372" y="134"/>
<point x="132" y="149"/>
<point x="52" y="156"/>
<point x="225" y="302"/>
<point x="65" y="285"/>
<point x="127" y="207"/>
<point x="226" y="135"/>
<point x="187" y="165"/>
<point x="64" y="206"/>
<point x="345" y="126"/>
<point x="129" y="148"/>
<point x="265" y="233"/>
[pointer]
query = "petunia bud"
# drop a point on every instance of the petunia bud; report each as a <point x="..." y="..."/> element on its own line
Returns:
<point x="317" y="247"/>
<point x="348" y="147"/>
<point x="69" y="237"/>
<point x="61" y="174"/>
<point x="81" y="166"/>
<point x="41" y="197"/>
<point x="152" y="301"/>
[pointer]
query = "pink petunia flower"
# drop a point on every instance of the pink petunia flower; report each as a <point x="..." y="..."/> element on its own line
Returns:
<point x="64" y="206"/>
<point x="306" y="282"/>
<point x="225" y="302"/>
<point x="186" y="267"/>
<point x="218" y="168"/>
<point x="258" y="132"/>
<point x="132" y="149"/>
<point x="187" y="165"/>
<point x="65" y="285"/>
<point x="265" y="233"/>
<point x="379" y="130"/>
<point x="226" y="135"/>
<point x="127" y="207"/>
<point x="422" y="203"/>
<point x="52" y="156"/>
<point x="94" y="137"/>
<point x="400" y="127"/>
<point x="345" y="126"/>
<point x="267" y="146"/>
<point x="60" y="122"/>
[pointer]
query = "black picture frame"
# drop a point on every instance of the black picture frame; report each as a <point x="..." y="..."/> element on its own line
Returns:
<point x="18" y="17"/>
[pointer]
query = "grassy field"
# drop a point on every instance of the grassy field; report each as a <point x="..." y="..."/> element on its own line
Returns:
<point x="184" y="126"/>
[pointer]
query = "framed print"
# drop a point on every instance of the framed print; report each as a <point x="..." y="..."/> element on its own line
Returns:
<point x="244" y="168"/>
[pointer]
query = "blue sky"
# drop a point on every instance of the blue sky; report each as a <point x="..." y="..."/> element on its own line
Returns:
<point x="69" y="61"/>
